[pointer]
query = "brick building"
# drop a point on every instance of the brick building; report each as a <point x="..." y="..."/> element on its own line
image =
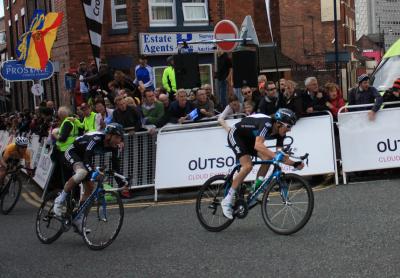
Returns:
<point x="152" y="27"/>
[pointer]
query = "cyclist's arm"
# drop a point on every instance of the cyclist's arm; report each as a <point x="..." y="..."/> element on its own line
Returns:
<point x="5" y="157"/>
<point x="116" y="168"/>
<point x="264" y="152"/>
<point x="28" y="159"/>
<point x="87" y="157"/>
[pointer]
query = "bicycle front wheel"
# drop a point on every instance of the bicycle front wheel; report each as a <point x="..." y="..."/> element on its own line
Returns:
<point x="103" y="220"/>
<point x="10" y="195"/>
<point x="287" y="205"/>
<point x="208" y="204"/>
<point x="48" y="227"/>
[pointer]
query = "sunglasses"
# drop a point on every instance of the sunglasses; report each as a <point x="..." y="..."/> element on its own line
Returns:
<point x="247" y="92"/>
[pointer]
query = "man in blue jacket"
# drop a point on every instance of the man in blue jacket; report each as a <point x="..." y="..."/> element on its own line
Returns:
<point x="365" y="94"/>
<point x="144" y="73"/>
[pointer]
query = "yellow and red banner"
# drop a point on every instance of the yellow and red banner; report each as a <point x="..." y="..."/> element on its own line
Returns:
<point x="35" y="45"/>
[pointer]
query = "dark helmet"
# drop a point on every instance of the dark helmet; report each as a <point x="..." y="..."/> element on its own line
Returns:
<point x="115" y="129"/>
<point x="286" y="116"/>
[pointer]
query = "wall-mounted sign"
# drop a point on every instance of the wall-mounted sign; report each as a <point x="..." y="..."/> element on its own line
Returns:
<point x="13" y="70"/>
<point x="167" y="43"/>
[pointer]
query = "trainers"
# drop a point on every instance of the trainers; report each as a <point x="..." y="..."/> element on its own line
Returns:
<point x="227" y="209"/>
<point x="77" y="224"/>
<point x="58" y="207"/>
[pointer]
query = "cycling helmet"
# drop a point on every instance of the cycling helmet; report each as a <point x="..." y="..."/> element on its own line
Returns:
<point x="21" y="141"/>
<point x="286" y="116"/>
<point x="114" y="128"/>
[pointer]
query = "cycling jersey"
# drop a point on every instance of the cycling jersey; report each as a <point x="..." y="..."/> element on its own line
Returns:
<point x="86" y="147"/>
<point x="11" y="152"/>
<point x="242" y="136"/>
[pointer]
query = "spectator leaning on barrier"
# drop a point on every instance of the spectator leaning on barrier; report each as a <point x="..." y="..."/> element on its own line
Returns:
<point x="393" y="94"/>
<point x="320" y="100"/>
<point x="365" y="94"/>
<point x="234" y="107"/>
<point x="163" y="98"/>
<point x="335" y="101"/>
<point x="125" y="115"/>
<point x="152" y="109"/>
<point x="180" y="108"/>
<point x="168" y="78"/>
<point x="269" y="104"/>
<point x="144" y="73"/>
<point x="204" y="104"/>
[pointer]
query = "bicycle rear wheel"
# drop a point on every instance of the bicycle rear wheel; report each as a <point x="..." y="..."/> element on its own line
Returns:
<point x="10" y="194"/>
<point x="103" y="220"/>
<point x="208" y="204"/>
<point x="287" y="205"/>
<point x="48" y="227"/>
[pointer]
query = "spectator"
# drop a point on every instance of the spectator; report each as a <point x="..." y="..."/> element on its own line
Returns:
<point x="50" y="105"/>
<point x="335" y="101"/>
<point x="248" y="107"/>
<point x="123" y="81"/>
<point x="309" y="94"/>
<point x="168" y="78"/>
<point x="282" y="85"/>
<point x="262" y="79"/>
<point x="211" y="96"/>
<point x="291" y="99"/>
<point x="204" y="104"/>
<point x="90" y="119"/>
<point x="365" y="94"/>
<point x="320" y="100"/>
<point x="393" y="94"/>
<point x="234" y="107"/>
<point x="130" y="101"/>
<point x="152" y="109"/>
<point x="159" y="91"/>
<point x="224" y="69"/>
<point x="269" y="104"/>
<point x="104" y="114"/>
<point x="126" y="115"/>
<point x="163" y="98"/>
<point x="247" y="94"/>
<point x="99" y="80"/>
<point x="83" y="85"/>
<point x="144" y="73"/>
<point x="180" y="108"/>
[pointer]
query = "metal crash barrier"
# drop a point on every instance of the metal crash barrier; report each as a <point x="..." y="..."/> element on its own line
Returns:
<point x="369" y="145"/>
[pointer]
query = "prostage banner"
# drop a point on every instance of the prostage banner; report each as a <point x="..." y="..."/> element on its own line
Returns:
<point x="189" y="157"/>
<point x="370" y="145"/>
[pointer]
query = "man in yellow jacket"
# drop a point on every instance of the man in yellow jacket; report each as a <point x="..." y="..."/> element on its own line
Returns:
<point x="168" y="78"/>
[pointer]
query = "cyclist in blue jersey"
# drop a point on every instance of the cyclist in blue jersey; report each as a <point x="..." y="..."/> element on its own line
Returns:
<point x="246" y="139"/>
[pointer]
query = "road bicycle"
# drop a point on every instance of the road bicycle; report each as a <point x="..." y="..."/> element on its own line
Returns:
<point x="11" y="191"/>
<point x="286" y="206"/>
<point x="102" y="212"/>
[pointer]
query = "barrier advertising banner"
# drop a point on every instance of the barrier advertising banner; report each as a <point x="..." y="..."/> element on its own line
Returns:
<point x="369" y="145"/>
<point x="189" y="157"/>
<point x="44" y="168"/>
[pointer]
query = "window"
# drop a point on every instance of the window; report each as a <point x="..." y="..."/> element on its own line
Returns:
<point x="118" y="14"/>
<point x="205" y="75"/>
<point x="162" y="12"/>
<point x="195" y="11"/>
<point x="3" y="38"/>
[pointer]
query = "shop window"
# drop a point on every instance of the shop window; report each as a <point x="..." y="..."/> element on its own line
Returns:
<point x="118" y="14"/>
<point x="195" y="11"/>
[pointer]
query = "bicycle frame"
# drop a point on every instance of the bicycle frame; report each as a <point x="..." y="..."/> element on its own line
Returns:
<point x="276" y="174"/>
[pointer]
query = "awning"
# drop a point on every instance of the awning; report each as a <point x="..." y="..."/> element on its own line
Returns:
<point x="267" y="59"/>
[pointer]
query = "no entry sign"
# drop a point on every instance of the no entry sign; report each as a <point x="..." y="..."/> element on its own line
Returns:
<point x="226" y="29"/>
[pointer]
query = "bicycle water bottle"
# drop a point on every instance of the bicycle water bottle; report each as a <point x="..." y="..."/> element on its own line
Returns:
<point x="257" y="183"/>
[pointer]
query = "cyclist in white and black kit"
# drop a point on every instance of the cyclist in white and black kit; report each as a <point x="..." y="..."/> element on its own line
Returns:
<point x="246" y="139"/>
<point x="79" y="157"/>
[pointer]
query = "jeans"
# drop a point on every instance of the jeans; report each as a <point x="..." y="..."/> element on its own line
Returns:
<point x="222" y="88"/>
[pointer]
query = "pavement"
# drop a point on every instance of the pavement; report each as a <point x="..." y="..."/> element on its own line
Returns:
<point x="353" y="232"/>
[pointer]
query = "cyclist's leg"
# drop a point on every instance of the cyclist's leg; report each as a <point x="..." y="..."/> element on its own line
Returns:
<point x="88" y="187"/>
<point x="3" y="172"/>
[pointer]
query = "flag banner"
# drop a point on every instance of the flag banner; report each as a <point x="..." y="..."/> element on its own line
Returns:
<point x="34" y="46"/>
<point x="268" y="8"/>
<point x="94" y="10"/>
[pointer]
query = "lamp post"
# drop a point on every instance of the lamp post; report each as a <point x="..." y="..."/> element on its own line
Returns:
<point x="336" y="42"/>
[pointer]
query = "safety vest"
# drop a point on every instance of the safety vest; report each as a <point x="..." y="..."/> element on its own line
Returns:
<point x="89" y="123"/>
<point x="63" y="146"/>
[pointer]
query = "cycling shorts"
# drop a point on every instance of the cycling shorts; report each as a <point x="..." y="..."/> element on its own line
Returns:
<point x="241" y="144"/>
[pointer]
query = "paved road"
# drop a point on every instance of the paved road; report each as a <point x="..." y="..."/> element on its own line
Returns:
<point x="354" y="232"/>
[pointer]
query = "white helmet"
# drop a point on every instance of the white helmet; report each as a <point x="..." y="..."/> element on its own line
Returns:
<point x="21" y="141"/>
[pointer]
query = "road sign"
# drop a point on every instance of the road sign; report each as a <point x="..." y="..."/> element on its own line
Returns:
<point x="226" y="29"/>
<point x="37" y="90"/>
<point x="13" y="70"/>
